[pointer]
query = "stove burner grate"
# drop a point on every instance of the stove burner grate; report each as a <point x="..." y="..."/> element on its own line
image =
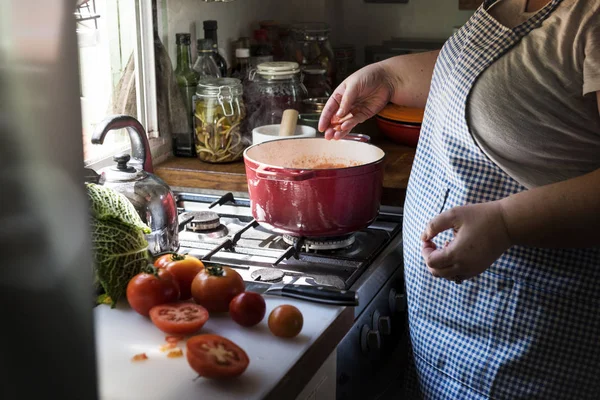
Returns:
<point x="326" y="243"/>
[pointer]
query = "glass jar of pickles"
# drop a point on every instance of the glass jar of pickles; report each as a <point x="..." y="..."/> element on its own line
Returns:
<point x="219" y="113"/>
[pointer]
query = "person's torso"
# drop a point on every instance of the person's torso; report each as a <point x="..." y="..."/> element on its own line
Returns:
<point x="527" y="111"/>
<point x="527" y="326"/>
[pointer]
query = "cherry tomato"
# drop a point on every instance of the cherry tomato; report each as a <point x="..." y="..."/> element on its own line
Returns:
<point x="213" y="356"/>
<point x="285" y="321"/>
<point x="214" y="287"/>
<point x="179" y="318"/>
<point x="184" y="268"/>
<point x="145" y="291"/>
<point x="247" y="308"/>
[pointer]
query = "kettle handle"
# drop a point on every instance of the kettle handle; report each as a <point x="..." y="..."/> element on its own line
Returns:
<point x="140" y="148"/>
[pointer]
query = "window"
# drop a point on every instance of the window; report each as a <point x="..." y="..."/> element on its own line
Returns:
<point x="115" y="58"/>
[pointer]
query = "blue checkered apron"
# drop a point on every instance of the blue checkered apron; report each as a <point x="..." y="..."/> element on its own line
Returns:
<point x="529" y="326"/>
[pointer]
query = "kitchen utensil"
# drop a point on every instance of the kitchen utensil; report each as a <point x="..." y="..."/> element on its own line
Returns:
<point x="288" y="123"/>
<point x="271" y="132"/>
<point x="315" y="294"/>
<point x="407" y="115"/>
<point x="132" y="177"/>
<point x="400" y="124"/>
<point x="312" y="187"/>
<point x="401" y="133"/>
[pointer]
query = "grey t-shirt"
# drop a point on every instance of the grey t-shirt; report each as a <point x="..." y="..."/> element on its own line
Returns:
<point x="534" y="111"/>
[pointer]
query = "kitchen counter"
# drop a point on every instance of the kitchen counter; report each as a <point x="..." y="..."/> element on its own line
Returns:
<point x="186" y="173"/>
<point x="279" y="368"/>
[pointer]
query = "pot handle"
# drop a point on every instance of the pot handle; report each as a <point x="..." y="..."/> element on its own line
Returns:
<point x="357" y="137"/>
<point x="284" y="175"/>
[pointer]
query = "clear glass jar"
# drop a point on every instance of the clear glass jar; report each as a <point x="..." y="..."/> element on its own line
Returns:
<point x="218" y="120"/>
<point x="316" y="83"/>
<point x="312" y="41"/>
<point x="273" y="88"/>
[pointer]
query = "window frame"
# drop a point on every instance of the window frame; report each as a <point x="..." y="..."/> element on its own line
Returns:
<point x="146" y="90"/>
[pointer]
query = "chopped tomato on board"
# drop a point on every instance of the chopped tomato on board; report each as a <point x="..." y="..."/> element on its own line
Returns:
<point x="175" y="353"/>
<point x="174" y="339"/>
<point x="179" y="318"/>
<point x="213" y="356"/>
<point x="140" y="357"/>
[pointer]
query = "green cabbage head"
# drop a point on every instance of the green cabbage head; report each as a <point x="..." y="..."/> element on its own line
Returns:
<point x="119" y="247"/>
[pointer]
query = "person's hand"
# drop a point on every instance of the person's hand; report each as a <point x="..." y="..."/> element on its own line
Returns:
<point x="480" y="238"/>
<point x="363" y="94"/>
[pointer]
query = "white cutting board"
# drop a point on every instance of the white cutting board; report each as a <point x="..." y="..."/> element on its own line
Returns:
<point x="121" y="333"/>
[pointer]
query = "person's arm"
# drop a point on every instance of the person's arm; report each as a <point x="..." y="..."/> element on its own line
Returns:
<point x="403" y="80"/>
<point x="411" y="77"/>
<point x="560" y="215"/>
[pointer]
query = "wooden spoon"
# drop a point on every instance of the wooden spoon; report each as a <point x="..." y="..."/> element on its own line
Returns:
<point x="288" y="123"/>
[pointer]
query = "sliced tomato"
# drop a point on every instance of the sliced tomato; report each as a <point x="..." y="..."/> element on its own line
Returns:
<point x="213" y="356"/>
<point x="179" y="318"/>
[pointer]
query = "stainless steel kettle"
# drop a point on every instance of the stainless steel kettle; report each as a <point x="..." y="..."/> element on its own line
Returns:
<point x="132" y="177"/>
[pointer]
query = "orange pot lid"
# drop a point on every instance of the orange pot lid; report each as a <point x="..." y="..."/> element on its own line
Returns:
<point x="402" y="114"/>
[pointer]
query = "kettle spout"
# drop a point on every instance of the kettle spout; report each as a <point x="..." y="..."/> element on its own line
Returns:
<point x="140" y="148"/>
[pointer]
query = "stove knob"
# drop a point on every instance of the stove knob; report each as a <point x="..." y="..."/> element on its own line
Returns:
<point x="370" y="340"/>
<point x="397" y="301"/>
<point x="374" y="340"/>
<point x="385" y="325"/>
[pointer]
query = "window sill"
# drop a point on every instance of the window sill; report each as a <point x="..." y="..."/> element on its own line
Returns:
<point x="160" y="148"/>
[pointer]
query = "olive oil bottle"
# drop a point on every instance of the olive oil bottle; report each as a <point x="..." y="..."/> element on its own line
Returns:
<point x="187" y="80"/>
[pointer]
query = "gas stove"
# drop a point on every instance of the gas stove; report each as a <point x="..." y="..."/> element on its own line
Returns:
<point x="221" y="230"/>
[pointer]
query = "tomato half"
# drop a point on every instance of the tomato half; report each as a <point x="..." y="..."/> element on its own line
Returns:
<point x="285" y="321"/>
<point x="215" y="287"/>
<point x="247" y="308"/>
<point x="145" y="291"/>
<point x="184" y="268"/>
<point x="213" y="356"/>
<point x="179" y="318"/>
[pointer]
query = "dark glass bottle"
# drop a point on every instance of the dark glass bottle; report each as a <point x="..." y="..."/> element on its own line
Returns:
<point x="241" y="70"/>
<point x="187" y="80"/>
<point x="210" y="32"/>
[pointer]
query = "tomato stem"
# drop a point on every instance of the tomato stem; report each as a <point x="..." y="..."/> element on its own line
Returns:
<point x="215" y="271"/>
<point x="177" y="257"/>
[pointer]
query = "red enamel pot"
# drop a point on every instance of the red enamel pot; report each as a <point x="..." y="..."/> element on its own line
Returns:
<point x="312" y="187"/>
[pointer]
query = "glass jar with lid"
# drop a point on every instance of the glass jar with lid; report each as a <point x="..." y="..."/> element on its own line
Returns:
<point x="219" y="113"/>
<point x="273" y="88"/>
<point x="312" y="42"/>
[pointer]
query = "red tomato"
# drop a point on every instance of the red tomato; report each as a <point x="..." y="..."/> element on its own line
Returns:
<point x="145" y="291"/>
<point x="161" y="261"/>
<point x="213" y="356"/>
<point x="214" y="287"/>
<point x="247" y="308"/>
<point x="179" y="318"/>
<point x="184" y="268"/>
<point x="285" y="321"/>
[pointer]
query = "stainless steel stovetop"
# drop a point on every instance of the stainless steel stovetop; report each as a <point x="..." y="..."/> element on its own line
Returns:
<point x="363" y="261"/>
